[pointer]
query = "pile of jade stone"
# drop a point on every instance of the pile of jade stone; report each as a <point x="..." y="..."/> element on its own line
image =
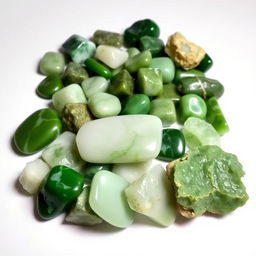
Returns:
<point x="114" y="102"/>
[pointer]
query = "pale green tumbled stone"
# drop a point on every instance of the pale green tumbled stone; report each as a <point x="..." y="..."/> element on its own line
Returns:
<point x="108" y="201"/>
<point x="104" y="104"/>
<point x="133" y="51"/>
<point x="93" y="85"/>
<point x="120" y="139"/>
<point x="72" y="93"/>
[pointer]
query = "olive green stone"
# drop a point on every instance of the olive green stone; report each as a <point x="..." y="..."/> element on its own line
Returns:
<point x="121" y="84"/>
<point x="153" y="44"/>
<point x="170" y="92"/>
<point x="74" y="74"/>
<point x="133" y="51"/>
<point x="52" y="63"/>
<point x="98" y="68"/>
<point x="101" y="37"/>
<point x="180" y="74"/>
<point x="37" y="131"/>
<point x="150" y="81"/>
<point x="49" y="86"/>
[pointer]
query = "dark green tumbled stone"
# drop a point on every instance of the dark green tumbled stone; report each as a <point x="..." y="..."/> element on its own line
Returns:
<point x="102" y="37"/>
<point x="37" y="131"/>
<point x="180" y="74"/>
<point x="153" y="44"/>
<point x="205" y="64"/>
<point x="74" y="74"/>
<point x="98" y="68"/>
<point x="138" y="29"/>
<point x="173" y="145"/>
<point x="91" y="169"/>
<point x="49" y="86"/>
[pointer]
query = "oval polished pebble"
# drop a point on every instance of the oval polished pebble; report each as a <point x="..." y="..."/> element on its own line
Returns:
<point x="134" y="138"/>
<point x="94" y="84"/>
<point x="37" y="131"/>
<point x="98" y="68"/>
<point x="108" y="201"/>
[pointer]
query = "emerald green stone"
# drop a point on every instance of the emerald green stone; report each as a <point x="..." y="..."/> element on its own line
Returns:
<point x="136" y="104"/>
<point x="79" y="48"/>
<point x="153" y="44"/>
<point x="205" y="64"/>
<point x="166" y="66"/>
<point x="141" y="60"/>
<point x="91" y="169"/>
<point x="173" y="145"/>
<point x="74" y="74"/>
<point x="170" y="92"/>
<point x="121" y="84"/>
<point x="98" y="68"/>
<point x="180" y="74"/>
<point x="164" y="109"/>
<point x="101" y="37"/>
<point x="59" y="189"/>
<point x="150" y="81"/>
<point x="49" y="86"/>
<point x="37" y="131"/>
<point x="52" y="63"/>
<point x="192" y="105"/>
<point x="138" y="29"/>
<point x="215" y="116"/>
<point x="108" y="201"/>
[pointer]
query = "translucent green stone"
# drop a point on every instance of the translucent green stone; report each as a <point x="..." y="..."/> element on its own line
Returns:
<point x="98" y="68"/>
<point x="170" y="92"/>
<point x="133" y="51"/>
<point x="180" y="74"/>
<point x="205" y="64"/>
<point x="102" y="37"/>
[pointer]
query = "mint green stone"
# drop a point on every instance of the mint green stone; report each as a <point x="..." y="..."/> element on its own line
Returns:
<point x="52" y="63"/>
<point x="166" y="66"/>
<point x="94" y="84"/>
<point x="133" y="51"/>
<point x="107" y="199"/>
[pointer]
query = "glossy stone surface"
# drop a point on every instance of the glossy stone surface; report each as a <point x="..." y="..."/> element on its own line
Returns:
<point x="79" y="48"/>
<point x="98" y="68"/>
<point x="180" y="74"/>
<point x="52" y="63"/>
<point x="170" y="92"/>
<point x="141" y="60"/>
<point x="108" y="200"/>
<point x="74" y="74"/>
<point x="166" y="66"/>
<point x="205" y="64"/>
<point x="91" y="169"/>
<point x="138" y="29"/>
<point x="192" y="105"/>
<point x="94" y="84"/>
<point x="164" y="109"/>
<point x="49" y="86"/>
<point x="136" y="104"/>
<point x="150" y="81"/>
<point x="215" y="116"/>
<point x="121" y="84"/>
<point x="103" y="104"/>
<point x="72" y="93"/>
<point x="60" y="188"/>
<point x="134" y="138"/>
<point x="153" y="44"/>
<point x="112" y="56"/>
<point x="37" y="131"/>
<point x="132" y="51"/>
<point x="173" y="145"/>
<point x="107" y="38"/>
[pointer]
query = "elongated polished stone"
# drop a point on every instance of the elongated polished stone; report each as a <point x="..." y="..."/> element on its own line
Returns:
<point x="94" y="84"/>
<point x="98" y="68"/>
<point x="37" y="131"/>
<point x="108" y="201"/>
<point x="91" y="169"/>
<point x="134" y="138"/>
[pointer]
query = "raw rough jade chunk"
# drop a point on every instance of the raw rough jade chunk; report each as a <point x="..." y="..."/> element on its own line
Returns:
<point x="98" y="68"/>
<point x="205" y="64"/>
<point x="180" y="74"/>
<point x="154" y="45"/>
<point x="134" y="138"/>
<point x="59" y="190"/>
<point x="107" y="199"/>
<point x="152" y="195"/>
<point x="173" y="145"/>
<point x="107" y="38"/>
<point x="140" y="28"/>
<point x="37" y="131"/>
<point x="170" y="92"/>
<point x="208" y="179"/>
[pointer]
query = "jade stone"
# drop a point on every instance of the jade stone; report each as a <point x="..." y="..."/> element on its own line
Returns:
<point x="215" y="116"/>
<point x="153" y="44"/>
<point x="138" y="29"/>
<point x="94" y="84"/>
<point x="108" y="201"/>
<point x="150" y="81"/>
<point x="134" y="138"/>
<point x="37" y="131"/>
<point x="166" y="66"/>
<point x="79" y="48"/>
<point x="132" y="51"/>
<point x="136" y="104"/>
<point x="170" y="92"/>
<point x="104" y="104"/>
<point x="107" y="38"/>
<point x="192" y="105"/>
<point x="180" y="74"/>
<point x="74" y="74"/>
<point x="164" y="109"/>
<point x="117" y="70"/>
<point x="205" y="64"/>
<point x="52" y="63"/>
<point x="91" y="169"/>
<point x="173" y="145"/>
<point x="98" y="68"/>
<point x="141" y="60"/>
<point x="49" y="86"/>
<point x="121" y="84"/>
